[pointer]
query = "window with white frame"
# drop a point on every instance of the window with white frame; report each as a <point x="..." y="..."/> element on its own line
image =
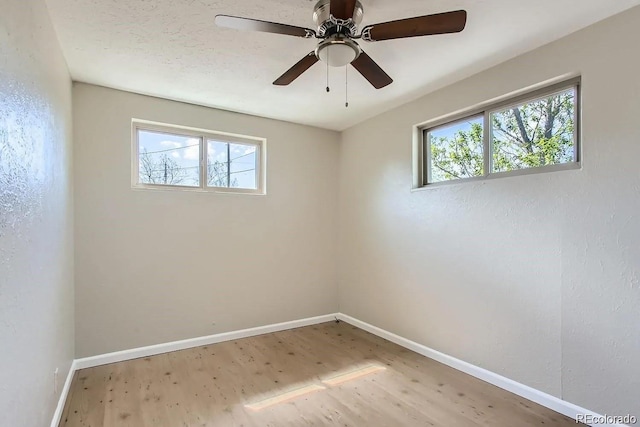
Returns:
<point x="535" y="132"/>
<point x="178" y="157"/>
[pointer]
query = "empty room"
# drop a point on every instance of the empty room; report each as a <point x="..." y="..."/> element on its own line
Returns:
<point x="217" y="213"/>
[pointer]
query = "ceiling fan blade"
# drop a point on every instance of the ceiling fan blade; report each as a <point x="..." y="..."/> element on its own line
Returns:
<point x="371" y="71"/>
<point x="342" y="9"/>
<point x="294" y="72"/>
<point x="238" y="23"/>
<point x="440" y="23"/>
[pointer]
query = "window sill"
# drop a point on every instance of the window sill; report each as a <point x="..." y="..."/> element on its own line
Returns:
<point x="496" y="175"/>
<point x="177" y="188"/>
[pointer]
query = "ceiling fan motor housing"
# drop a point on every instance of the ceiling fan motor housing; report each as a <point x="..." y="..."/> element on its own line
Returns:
<point x="329" y="25"/>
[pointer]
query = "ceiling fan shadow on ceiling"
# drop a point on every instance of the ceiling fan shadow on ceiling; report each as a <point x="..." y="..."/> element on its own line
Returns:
<point x="337" y="22"/>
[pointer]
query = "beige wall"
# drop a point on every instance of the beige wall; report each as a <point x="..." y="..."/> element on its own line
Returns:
<point x="533" y="277"/>
<point x="158" y="266"/>
<point x="36" y="241"/>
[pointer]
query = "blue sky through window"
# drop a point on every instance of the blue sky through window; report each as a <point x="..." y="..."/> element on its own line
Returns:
<point x="448" y="131"/>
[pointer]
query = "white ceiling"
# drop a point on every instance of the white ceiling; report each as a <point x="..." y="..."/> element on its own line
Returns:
<point x="172" y="49"/>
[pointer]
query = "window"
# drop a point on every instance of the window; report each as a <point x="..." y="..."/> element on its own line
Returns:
<point x="456" y="150"/>
<point x="532" y="133"/>
<point x="177" y="157"/>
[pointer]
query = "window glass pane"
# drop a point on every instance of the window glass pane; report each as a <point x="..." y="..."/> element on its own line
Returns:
<point x="243" y="165"/>
<point x="456" y="150"/>
<point x="232" y="165"/>
<point x="217" y="175"/>
<point x="168" y="159"/>
<point x="537" y="133"/>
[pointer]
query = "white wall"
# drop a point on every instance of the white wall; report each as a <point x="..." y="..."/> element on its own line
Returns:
<point x="36" y="241"/>
<point x="533" y="277"/>
<point x="158" y="266"/>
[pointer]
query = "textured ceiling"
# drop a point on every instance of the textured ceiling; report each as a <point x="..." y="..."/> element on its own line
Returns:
<point x="172" y="49"/>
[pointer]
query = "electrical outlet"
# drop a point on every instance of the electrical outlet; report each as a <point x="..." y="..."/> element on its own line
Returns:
<point x="55" y="381"/>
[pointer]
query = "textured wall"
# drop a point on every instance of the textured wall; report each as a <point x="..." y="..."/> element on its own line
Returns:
<point x="533" y="277"/>
<point x="36" y="242"/>
<point x="157" y="266"/>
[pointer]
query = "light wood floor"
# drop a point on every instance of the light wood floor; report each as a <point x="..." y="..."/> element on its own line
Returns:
<point x="330" y="374"/>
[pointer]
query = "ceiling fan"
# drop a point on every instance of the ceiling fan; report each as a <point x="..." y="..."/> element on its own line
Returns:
<point x="337" y="22"/>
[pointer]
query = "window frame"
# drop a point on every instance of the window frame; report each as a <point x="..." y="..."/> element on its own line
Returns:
<point x="203" y="135"/>
<point x="423" y="163"/>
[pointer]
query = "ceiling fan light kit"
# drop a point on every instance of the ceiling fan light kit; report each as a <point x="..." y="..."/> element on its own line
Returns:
<point x="337" y="51"/>
<point x="337" y="27"/>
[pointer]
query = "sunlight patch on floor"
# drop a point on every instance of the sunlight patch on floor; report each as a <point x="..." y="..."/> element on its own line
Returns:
<point x="284" y="397"/>
<point x="353" y="374"/>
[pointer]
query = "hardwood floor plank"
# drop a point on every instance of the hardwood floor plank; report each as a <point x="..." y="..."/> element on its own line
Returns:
<point x="332" y="374"/>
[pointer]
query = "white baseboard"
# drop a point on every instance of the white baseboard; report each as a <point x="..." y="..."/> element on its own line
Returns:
<point x="63" y="395"/>
<point x="539" y="397"/>
<point x="544" y="399"/>
<point x="119" y="356"/>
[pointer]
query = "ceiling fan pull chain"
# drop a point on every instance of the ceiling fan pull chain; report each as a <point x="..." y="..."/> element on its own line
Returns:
<point x="328" y="90"/>
<point x="346" y="86"/>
